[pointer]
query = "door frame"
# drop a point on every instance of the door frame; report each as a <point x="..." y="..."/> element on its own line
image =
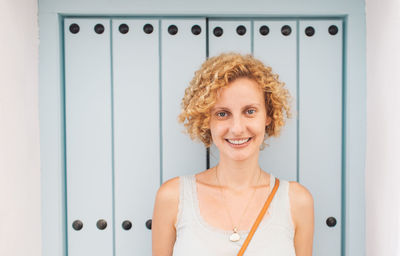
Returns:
<point x="51" y="97"/>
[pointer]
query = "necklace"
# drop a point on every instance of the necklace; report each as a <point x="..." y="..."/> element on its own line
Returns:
<point x="234" y="237"/>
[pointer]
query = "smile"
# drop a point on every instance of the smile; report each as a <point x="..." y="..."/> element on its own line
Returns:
<point x="238" y="142"/>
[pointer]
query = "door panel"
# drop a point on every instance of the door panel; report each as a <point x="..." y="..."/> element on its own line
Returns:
<point x="88" y="135"/>
<point x="181" y="54"/>
<point x="136" y="131"/>
<point x="228" y="41"/>
<point x="320" y="127"/>
<point x="279" y="50"/>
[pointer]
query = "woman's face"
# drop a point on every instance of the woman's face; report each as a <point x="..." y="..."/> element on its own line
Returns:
<point x="238" y="120"/>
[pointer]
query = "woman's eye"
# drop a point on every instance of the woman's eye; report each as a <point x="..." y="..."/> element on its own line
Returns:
<point x="221" y="114"/>
<point x="251" y="111"/>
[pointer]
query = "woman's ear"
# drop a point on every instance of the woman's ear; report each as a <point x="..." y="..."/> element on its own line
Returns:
<point x="268" y="121"/>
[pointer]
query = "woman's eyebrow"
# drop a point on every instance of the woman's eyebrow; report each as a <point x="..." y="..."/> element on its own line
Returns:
<point x="251" y="105"/>
<point x="247" y="106"/>
<point x="219" y="108"/>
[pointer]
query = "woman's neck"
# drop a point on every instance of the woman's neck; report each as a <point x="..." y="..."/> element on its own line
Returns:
<point x="238" y="175"/>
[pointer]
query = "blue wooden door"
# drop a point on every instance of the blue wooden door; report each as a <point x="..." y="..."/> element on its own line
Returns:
<point x="124" y="81"/>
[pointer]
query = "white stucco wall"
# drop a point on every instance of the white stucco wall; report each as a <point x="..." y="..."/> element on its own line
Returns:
<point x="20" y="222"/>
<point x="383" y="123"/>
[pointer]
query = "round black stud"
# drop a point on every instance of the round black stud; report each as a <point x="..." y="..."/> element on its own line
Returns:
<point x="126" y="225"/>
<point x="172" y="30"/>
<point x="74" y="28"/>
<point x="196" y="30"/>
<point x="310" y="31"/>
<point x="101" y="224"/>
<point x="99" y="29"/>
<point x="264" y="30"/>
<point x="148" y="224"/>
<point x="218" y="31"/>
<point x="331" y="222"/>
<point x="333" y="30"/>
<point x="286" y="30"/>
<point x="77" y="225"/>
<point x="241" y="30"/>
<point x="123" y="28"/>
<point x="148" y="29"/>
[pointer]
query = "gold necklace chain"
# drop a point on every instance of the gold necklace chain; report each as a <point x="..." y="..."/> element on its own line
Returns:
<point x="235" y="236"/>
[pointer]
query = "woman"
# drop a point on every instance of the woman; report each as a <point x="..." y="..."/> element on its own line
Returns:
<point x="235" y="102"/>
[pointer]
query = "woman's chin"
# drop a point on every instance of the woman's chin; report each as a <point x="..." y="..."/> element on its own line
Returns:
<point x="239" y="156"/>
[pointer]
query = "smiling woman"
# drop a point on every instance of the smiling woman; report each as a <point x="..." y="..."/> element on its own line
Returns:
<point x="218" y="72"/>
<point x="236" y="103"/>
<point x="239" y="124"/>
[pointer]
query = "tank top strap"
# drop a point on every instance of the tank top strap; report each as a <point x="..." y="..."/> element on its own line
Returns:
<point x="282" y="207"/>
<point x="185" y="208"/>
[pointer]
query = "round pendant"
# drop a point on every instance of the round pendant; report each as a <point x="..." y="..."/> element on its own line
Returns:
<point x="234" y="237"/>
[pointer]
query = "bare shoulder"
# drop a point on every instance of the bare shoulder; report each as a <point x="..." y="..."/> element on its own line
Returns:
<point x="164" y="217"/>
<point x="301" y="202"/>
<point x="168" y="192"/>
<point x="167" y="201"/>
<point x="299" y="194"/>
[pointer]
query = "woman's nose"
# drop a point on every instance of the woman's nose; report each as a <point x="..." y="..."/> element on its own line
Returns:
<point x="238" y="126"/>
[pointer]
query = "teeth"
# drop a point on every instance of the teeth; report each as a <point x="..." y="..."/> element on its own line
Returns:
<point x="238" y="142"/>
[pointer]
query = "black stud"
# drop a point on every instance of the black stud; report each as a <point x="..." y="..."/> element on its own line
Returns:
<point x="99" y="29"/>
<point x="218" y="31"/>
<point x="148" y="29"/>
<point x="310" y="31"/>
<point x="264" y="30"/>
<point x="77" y="225"/>
<point x="172" y="30"/>
<point x="286" y="30"/>
<point x="101" y="224"/>
<point x="331" y="222"/>
<point x="241" y="30"/>
<point x="123" y="28"/>
<point x="148" y="224"/>
<point x="333" y="30"/>
<point x="126" y="225"/>
<point x="196" y="30"/>
<point x="74" y="28"/>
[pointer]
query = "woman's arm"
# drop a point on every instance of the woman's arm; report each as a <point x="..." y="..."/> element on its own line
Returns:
<point x="302" y="210"/>
<point x="164" y="218"/>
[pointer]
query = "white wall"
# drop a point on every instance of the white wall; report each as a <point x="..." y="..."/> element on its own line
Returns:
<point x="20" y="225"/>
<point x="383" y="123"/>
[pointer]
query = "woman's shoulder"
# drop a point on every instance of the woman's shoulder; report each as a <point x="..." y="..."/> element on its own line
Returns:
<point x="166" y="202"/>
<point x="169" y="190"/>
<point x="301" y="202"/>
<point x="299" y="194"/>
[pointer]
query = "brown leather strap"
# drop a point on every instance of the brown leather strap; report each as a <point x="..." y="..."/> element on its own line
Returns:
<point x="259" y="218"/>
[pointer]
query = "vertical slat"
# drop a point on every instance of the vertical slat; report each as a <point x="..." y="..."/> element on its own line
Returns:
<point x="136" y="131"/>
<point x="181" y="55"/>
<point x="320" y="128"/>
<point x="88" y="136"/>
<point x="279" y="52"/>
<point x="229" y="41"/>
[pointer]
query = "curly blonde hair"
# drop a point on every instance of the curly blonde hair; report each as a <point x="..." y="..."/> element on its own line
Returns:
<point x="218" y="72"/>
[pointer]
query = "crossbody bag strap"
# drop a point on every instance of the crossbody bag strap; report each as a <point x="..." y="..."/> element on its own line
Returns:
<point x="259" y="218"/>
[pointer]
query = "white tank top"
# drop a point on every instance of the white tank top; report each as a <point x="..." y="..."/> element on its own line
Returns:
<point x="195" y="237"/>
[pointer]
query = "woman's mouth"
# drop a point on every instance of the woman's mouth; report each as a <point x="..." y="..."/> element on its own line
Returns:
<point x="239" y="142"/>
